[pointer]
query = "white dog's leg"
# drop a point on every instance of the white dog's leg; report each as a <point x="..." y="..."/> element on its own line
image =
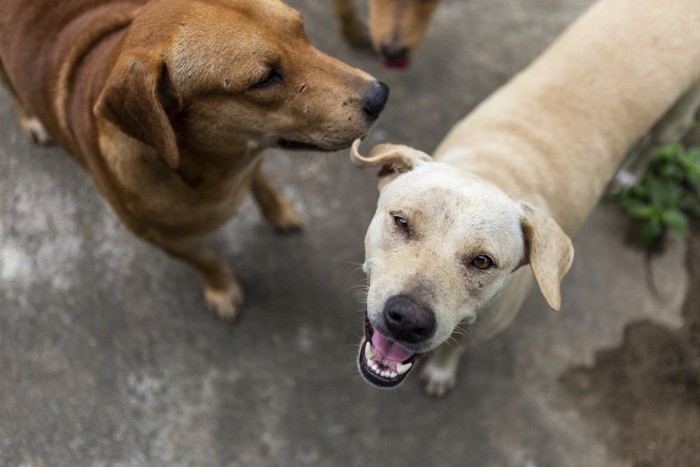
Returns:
<point x="439" y="373"/>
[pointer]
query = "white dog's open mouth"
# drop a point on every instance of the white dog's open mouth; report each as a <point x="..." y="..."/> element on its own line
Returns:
<point x="383" y="362"/>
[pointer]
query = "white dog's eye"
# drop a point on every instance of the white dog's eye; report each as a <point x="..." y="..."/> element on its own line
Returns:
<point x="482" y="262"/>
<point x="402" y="223"/>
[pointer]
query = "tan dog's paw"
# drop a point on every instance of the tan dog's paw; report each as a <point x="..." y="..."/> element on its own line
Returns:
<point x="356" y="34"/>
<point x="285" y="218"/>
<point x="225" y="303"/>
<point x="35" y="130"/>
<point x="354" y="30"/>
<point x="439" y="376"/>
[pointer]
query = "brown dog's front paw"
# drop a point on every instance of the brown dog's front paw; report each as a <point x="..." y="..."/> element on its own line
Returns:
<point x="225" y="303"/>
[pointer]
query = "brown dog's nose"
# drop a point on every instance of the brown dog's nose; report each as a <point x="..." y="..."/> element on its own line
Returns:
<point x="408" y="321"/>
<point x="374" y="100"/>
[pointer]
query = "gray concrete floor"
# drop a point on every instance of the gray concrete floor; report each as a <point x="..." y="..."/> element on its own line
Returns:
<point x="108" y="356"/>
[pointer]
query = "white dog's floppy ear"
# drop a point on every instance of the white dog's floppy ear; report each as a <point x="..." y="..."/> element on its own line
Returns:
<point x="131" y="100"/>
<point x="395" y="159"/>
<point x="548" y="250"/>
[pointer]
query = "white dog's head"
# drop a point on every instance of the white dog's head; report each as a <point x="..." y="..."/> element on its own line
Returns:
<point x="440" y="247"/>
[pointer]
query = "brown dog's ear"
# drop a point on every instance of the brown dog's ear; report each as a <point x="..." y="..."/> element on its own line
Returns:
<point x="395" y="159"/>
<point x="548" y="250"/>
<point x="131" y="101"/>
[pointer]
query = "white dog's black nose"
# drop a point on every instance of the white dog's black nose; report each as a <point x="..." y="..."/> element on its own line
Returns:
<point x="375" y="99"/>
<point x="408" y="321"/>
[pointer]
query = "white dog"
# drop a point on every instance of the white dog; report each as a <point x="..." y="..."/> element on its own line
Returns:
<point x="511" y="183"/>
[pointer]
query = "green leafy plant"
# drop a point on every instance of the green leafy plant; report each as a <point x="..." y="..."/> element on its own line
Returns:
<point x="666" y="197"/>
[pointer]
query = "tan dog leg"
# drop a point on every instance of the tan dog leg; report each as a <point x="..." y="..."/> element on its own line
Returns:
<point x="670" y="128"/>
<point x="439" y="373"/>
<point x="277" y="209"/>
<point x="31" y="126"/>
<point x="222" y="291"/>
<point x="353" y="30"/>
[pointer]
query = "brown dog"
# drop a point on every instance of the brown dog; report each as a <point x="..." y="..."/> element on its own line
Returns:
<point x="396" y="27"/>
<point x="168" y="104"/>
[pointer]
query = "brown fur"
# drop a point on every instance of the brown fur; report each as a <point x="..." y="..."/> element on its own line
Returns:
<point x="168" y="104"/>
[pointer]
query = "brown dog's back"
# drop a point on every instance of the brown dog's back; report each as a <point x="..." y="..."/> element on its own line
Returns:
<point x="46" y="45"/>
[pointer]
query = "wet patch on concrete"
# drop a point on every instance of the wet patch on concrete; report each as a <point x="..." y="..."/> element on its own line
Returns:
<point x="643" y="397"/>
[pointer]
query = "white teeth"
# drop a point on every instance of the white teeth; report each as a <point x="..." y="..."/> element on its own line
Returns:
<point x="402" y="368"/>
<point x="369" y="352"/>
<point x="380" y="370"/>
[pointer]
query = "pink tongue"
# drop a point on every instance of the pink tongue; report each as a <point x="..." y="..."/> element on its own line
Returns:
<point x="400" y="64"/>
<point x="389" y="349"/>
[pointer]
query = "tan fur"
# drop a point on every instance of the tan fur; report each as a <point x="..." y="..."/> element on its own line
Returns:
<point x="521" y="173"/>
<point x="393" y="24"/>
<point x="161" y="102"/>
<point x="352" y="27"/>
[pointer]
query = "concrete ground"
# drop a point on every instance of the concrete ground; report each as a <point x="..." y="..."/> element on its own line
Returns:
<point x="108" y="356"/>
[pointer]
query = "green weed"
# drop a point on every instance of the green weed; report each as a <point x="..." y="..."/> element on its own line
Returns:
<point x="666" y="197"/>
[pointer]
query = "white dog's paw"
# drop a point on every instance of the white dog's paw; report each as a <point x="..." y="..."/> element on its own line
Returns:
<point x="225" y="303"/>
<point x="35" y="130"/>
<point x="439" y="375"/>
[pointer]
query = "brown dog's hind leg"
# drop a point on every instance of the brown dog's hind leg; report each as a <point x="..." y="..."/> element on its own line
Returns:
<point x="277" y="209"/>
<point x="222" y="291"/>
<point x="29" y="123"/>
<point x="353" y="29"/>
